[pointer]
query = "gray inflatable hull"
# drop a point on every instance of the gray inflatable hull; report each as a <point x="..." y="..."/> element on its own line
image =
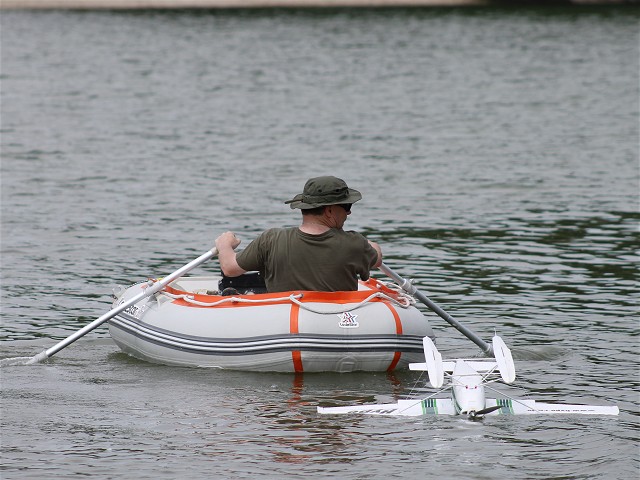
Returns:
<point x="366" y="330"/>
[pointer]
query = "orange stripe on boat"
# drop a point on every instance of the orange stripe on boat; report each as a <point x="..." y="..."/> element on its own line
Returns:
<point x="296" y="356"/>
<point x="394" y="362"/>
<point x="279" y="298"/>
<point x="396" y="355"/>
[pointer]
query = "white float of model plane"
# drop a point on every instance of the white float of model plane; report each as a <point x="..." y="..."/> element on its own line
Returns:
<point x="468" y="381"/>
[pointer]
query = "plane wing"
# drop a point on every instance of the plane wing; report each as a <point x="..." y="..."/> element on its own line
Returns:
<point x="410" y="408"/>
<point x="444" y="406"/>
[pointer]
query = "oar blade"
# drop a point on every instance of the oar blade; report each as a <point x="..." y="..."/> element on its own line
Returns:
<point x="41" y="357"/>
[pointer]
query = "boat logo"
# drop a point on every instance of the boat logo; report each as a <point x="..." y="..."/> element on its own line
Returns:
<point x="135" y="311"/>
<point x="348" y="320"/>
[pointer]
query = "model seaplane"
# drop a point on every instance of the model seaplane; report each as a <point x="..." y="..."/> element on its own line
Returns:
<point x="468" y="381"/>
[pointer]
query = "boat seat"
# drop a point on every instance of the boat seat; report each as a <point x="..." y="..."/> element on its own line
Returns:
<point x="248" y="283"/>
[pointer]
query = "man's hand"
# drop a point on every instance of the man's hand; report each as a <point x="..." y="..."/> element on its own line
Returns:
<point x="379" y="250"/>
<point x="227" y="240"/>
<point x="226" y="244"/>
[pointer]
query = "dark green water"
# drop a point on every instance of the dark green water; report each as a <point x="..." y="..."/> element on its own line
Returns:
<point x="497" y="152"/>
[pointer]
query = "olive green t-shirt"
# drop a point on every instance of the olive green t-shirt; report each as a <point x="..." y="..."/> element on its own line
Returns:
<point x="293" y="260"/>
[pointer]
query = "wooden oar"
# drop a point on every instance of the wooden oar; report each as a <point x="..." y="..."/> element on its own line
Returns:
<point x="408" y="287"/>
<point x="156" y="287"/>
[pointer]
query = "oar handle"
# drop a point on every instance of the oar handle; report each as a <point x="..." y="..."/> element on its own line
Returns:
<point x="151" y="290"/>
<point x="408" y="287"/>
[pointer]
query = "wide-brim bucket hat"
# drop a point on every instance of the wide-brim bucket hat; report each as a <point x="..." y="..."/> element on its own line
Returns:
<point x="322" y="191"/>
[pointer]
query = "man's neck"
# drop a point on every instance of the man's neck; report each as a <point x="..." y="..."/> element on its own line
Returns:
<point x="314" y="225"/>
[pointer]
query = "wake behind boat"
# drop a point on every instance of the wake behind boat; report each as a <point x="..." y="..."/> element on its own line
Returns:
<point x="190" y="323"/>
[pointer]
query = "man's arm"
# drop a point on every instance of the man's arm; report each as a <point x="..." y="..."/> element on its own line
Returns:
<point x="226" y="244"/>
<point x="379" y="250"/>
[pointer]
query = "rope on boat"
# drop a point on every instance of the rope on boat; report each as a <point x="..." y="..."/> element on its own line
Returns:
<point x="193" y="301"/>
<point x="400" y="293"/>
<point x="403" y="301"/>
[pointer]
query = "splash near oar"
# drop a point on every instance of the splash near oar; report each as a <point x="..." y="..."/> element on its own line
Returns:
<point x="13" y="361"/>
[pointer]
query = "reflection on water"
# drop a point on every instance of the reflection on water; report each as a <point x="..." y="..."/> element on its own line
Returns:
<point x="577" y="257"/>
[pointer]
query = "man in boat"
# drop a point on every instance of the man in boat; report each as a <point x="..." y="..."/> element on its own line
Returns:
<point x="317" y="255"/>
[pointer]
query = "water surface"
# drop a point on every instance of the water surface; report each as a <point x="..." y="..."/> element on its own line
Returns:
<point x="497" y="153"/>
